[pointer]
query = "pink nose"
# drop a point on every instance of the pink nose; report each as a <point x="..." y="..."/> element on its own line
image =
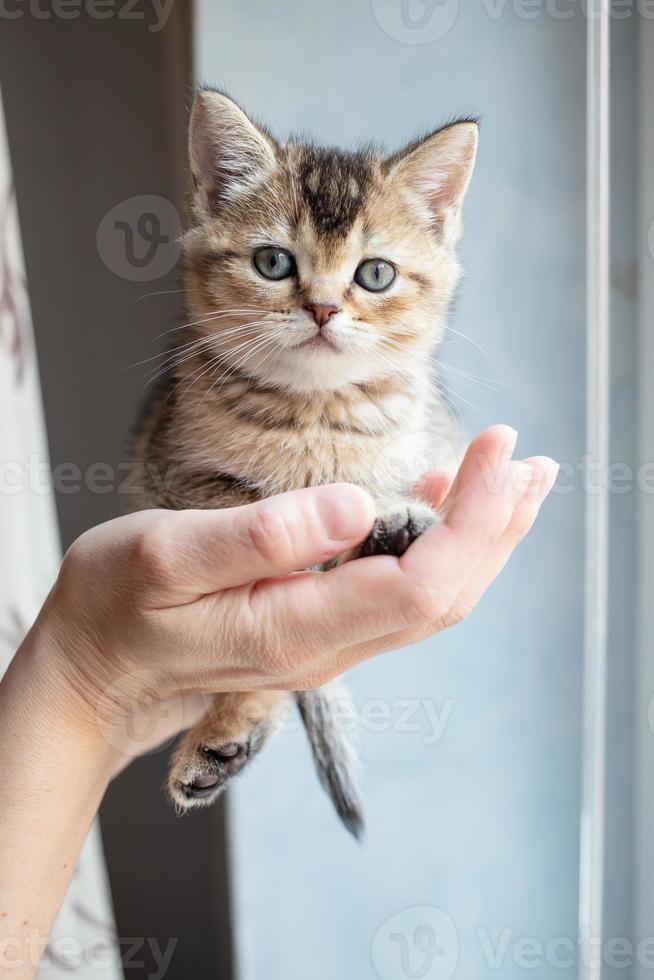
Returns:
<point x="321" y="312"/>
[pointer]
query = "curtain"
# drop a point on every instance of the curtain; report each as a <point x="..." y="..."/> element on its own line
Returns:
<point x="83" y="941"/>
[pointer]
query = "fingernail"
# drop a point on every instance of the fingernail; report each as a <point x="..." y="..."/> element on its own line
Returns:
<point x="509" y="443"/>
<point x="345" y="511"/>
<point x="548" y="480"/>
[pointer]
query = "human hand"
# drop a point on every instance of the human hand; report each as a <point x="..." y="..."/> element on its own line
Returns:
<point x="153" y="610"/>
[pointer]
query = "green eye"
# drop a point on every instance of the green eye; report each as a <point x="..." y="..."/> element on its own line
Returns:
<point x="273" y="262"/>
<point x="375" y="275"/>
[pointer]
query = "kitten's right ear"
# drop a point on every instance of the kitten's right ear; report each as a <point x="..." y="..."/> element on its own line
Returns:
<point x="227" y="152"/>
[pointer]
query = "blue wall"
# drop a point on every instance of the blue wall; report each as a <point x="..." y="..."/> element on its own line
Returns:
<point x="482" y="823"/>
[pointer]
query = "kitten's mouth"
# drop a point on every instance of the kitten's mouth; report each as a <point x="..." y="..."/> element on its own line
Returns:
<point x="317" y="342"/>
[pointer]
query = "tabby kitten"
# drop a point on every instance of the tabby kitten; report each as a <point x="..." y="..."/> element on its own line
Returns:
<point x="317" y="282"/>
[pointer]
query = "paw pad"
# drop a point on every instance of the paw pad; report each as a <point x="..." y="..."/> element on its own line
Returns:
<point x="392" y="535"/>
<point x="217" y="765"/>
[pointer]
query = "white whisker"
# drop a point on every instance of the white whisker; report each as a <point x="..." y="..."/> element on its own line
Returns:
<point x="160" y="292"/>
<point x="213" y="315"/>
<point x="259" y="345"/>
<point x="195" y="347"/>
<point x="464" y="336"/>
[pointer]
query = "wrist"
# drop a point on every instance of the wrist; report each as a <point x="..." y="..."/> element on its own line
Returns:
<point x="119" y="710"/>
<point x="44" y="677"/>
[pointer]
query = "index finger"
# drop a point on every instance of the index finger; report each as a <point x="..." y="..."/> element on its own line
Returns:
<point x="492" y="446"/>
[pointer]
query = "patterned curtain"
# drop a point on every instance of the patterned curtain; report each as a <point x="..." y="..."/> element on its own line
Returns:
<point x="83" y="941"/>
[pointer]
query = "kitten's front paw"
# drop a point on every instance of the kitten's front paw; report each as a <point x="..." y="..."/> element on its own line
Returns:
<point x="395" y="531"/>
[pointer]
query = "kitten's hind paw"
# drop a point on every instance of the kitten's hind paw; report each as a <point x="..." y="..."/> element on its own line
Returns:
<point x="198" y="776"/>
<point x="395" y="531"/>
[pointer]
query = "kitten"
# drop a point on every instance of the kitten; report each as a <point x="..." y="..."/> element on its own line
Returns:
<point x="317" y="282"/>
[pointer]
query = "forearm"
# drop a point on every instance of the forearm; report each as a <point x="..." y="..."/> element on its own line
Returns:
<point x="54" y="769"/>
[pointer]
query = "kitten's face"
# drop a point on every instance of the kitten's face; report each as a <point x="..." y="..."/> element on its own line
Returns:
<point x="316" y="268"/>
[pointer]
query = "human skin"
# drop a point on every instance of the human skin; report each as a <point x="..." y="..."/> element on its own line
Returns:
<point x="161" y="607"/>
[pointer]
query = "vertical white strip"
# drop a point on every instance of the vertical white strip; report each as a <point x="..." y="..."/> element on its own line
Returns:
<point x="597" y="503"/>
<point x="644" y="770"/>
<point x="29" y="560"/>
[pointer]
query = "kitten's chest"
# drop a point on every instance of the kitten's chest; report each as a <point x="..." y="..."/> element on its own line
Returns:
<point x="380" y="463"/>
<point x="278" y="444"/>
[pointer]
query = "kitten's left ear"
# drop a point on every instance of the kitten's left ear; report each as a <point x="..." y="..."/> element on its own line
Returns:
<point x="437" y="171"/>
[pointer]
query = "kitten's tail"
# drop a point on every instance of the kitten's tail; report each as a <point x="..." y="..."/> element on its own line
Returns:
<point x="333" y="752"/>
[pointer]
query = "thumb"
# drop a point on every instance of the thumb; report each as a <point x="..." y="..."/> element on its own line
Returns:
<point x="220" y="549"/>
